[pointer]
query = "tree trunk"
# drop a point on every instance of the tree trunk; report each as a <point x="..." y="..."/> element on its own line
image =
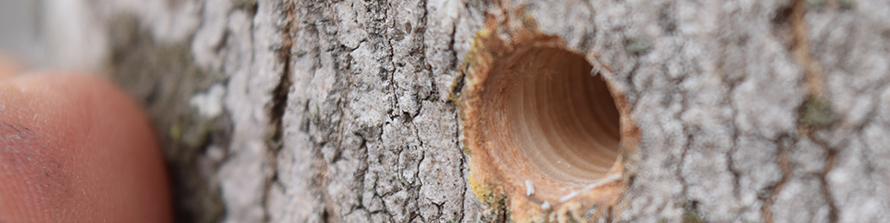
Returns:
<point x="342" y="111"/>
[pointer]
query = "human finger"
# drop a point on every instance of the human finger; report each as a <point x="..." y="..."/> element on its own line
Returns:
<point x="73" y="148"/>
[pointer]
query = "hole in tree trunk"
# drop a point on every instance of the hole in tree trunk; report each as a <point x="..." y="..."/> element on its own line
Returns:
<point x="543" y="135"/>
<point x="562" y="118"/>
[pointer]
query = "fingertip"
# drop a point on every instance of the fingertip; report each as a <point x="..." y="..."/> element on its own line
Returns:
<point x="93" y="154"/>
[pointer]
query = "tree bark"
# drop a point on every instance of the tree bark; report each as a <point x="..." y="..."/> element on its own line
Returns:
<point x="341" y="111"/>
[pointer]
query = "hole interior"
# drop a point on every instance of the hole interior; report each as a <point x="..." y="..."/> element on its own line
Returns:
<point x="560" y="117"/>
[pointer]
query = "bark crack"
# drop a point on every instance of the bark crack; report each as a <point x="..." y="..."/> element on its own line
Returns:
<point x="783" y="159"/>
<point x="815" y="82"/>
<point x="279" y="100"/>
<point x="730" y="164"/>
<point x="686" y="146"/>
<point x="830" y="159"/>
<point x="280" y="93"/>
<point x="800" y="47"/>
<point x="826" y="190"/>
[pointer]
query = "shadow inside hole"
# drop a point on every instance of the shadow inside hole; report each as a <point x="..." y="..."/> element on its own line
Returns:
<point x="563" y="119"/>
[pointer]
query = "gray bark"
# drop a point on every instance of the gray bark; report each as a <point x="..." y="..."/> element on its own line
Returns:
<point x="339" y="111"/>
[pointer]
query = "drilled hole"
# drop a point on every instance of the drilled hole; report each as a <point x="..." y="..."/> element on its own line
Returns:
<point x="562" y="118"/>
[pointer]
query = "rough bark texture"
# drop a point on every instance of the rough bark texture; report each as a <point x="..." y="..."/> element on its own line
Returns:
<point x="340" y="111"/>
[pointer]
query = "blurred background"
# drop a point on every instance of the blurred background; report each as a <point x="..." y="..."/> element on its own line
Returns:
<point x="52" y="34"/>
<point x="19" y="29"/>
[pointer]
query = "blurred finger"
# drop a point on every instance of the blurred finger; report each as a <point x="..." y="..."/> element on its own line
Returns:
<point x="73" y="148"/>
